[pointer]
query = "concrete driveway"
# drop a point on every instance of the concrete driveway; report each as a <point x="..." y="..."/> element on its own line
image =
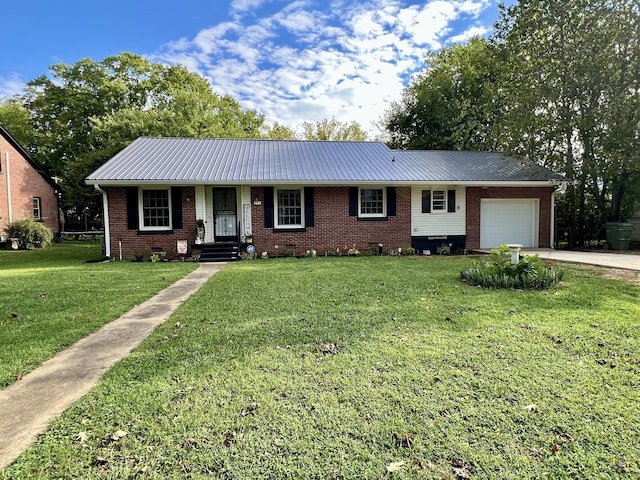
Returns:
<point x="612" y="260"/>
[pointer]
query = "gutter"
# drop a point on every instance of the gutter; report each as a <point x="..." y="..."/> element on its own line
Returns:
<point x="105" y="214"/>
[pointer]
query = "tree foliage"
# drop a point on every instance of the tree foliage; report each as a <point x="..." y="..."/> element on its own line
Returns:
<point x="82" y="114"/>
<point x="574" y="99"/>
<point x="17" y="120"/>
<point x="333" y="130"/>
<point x="453" y="104"/>
<point x="276" y="131"/>
<point x="559" y="83"/>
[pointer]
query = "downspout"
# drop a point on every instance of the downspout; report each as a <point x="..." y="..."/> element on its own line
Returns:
<point x="9" y="212"/>
<point x="105" y="214"/>
<point x="553" y="219"/>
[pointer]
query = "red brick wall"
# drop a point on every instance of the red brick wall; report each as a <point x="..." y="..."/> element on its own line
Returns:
<point x="26" y="183"/>
<point x="475" y="194"/>
<point x="333" y="227"/>
<point x="131" y="242"/>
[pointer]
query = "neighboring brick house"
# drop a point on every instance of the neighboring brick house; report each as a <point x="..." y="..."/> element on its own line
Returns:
<point x="304" y="195"/>
<point x="25" y="189"/>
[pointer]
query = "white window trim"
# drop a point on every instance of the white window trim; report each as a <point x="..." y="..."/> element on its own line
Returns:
<point x="445" y="199"/>
<point x="38" y="201"/>
<point x="141" y="224"/>
<point x="275" y="208"/>
<point x="384" y="203"/>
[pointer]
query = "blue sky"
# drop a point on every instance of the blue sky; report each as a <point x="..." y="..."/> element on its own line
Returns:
<point x="292" y="60"/>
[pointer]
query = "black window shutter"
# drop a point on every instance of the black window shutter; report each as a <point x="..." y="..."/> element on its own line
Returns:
<point x="268" y="207"/>
<point x="451" y="201"/>
<point x="426" y="201"/>
<point x="176" y="207"/>
<point x="308" y="206"/>
<point x="391" y="201"/>
<point x="353" y="201"/>
<point x="132" y="208"/>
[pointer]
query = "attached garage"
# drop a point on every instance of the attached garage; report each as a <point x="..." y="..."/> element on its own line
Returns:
<point x="509" y="221"/>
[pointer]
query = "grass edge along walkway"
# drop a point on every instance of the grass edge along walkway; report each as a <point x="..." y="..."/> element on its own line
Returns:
<point x="29" y="406"/>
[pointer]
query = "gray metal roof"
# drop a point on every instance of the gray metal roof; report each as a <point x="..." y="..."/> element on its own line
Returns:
<point x="464" y="166"/>
<point x="245" y="161"/>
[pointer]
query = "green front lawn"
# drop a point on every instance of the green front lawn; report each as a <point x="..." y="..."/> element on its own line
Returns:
<point x="50" y="299"/>
<point x="366" y="368"/>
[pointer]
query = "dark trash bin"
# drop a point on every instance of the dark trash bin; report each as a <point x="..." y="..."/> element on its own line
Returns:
<point x="618" y="235"/>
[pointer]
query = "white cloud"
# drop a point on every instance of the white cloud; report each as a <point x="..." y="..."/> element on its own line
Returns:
<point x="308" y="61"/>
<point x="11" y="86"/>
<point x="468" y="34"/>
<point x="246" y="5"/>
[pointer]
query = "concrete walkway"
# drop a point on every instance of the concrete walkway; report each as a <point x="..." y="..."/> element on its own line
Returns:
<point x="28" y="406"/>
<point x="612" y="260"/>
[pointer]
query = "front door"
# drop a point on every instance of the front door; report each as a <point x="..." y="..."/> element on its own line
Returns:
<point x="225" y="216"/>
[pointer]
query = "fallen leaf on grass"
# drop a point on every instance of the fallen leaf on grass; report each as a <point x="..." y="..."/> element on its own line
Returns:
<point x="18" y="377"/>
<point x="330" y="348"/>
<point x="621" y="466"/>
<point x="229" y="439"/>
<point x="102" y="462"/>
<point x="118" y="435"/>
<point x="405" y="441"/>
<point x="82" y="437"/>
<point x="252" y="407"/>
<point x="395" y="466"/>
<point x="41" y="295"/>
<point x="460" y="469"/>
<point x="530" y="408"/>
<point x="566" y="438"/>
<point x="555" y="448"/>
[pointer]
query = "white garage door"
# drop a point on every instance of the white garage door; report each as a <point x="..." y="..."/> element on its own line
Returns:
<point x="508" y="221"/>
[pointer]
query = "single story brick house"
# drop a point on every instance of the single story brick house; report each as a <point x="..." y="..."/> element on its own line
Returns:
<point x="26" y="190"/>
<point x="323" y="196"/>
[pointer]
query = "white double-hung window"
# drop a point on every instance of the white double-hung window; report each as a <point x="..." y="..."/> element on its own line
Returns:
<point x="372" y="202"/>
<point x="289" y="204"/>
<point x="439" y="201"/>
<point x="155" y="205"/>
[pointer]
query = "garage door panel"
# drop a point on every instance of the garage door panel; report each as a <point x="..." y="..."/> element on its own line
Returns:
<point x="508" y="221"/>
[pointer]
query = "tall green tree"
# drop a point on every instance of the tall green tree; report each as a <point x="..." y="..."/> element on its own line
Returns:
<point x="573" y="96"/>
<point x="17" y="120"/>
<point x="454" y="103"/>
<point x="84" y="113"/>
<point x="333" y="130"/>
<point x="277" y="131"/>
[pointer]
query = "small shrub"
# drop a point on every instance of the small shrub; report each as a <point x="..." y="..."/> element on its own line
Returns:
<point x="289" y="251"/>
<point x="410" y="251"/>
<point x="139" y="257"/>
<point x="529" y="273"/>
<point x="334" y="252"/>
<point x="444" y="249"/>
<point x="501" y="256"/>
<point x="375" y="248"/>
<point x="30" y="234"/>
